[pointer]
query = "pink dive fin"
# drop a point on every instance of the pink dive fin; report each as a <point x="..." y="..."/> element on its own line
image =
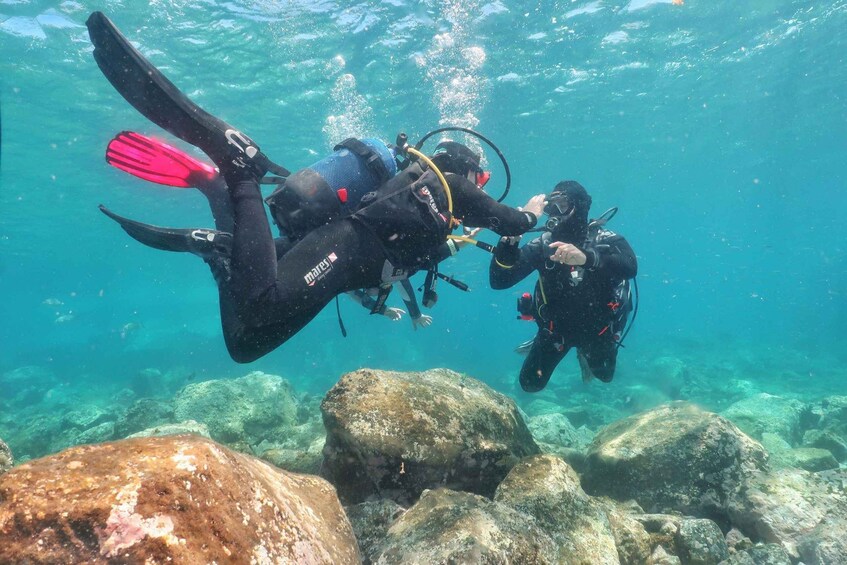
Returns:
<point x="158" y="162"/>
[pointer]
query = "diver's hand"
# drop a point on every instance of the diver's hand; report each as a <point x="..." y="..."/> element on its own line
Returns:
<point x="567" y="253"/>
<point x="393" y="314"/>
<point x="535" y="205"/>
<point x="422" y="321"/>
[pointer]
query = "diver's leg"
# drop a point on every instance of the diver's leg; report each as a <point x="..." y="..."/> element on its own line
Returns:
<point x="219" y="203"/>
<point x="599" y="357"/>
<point x="157" y="98"/>
<point x="544" y="356"/>
<point x="257" y="317"/>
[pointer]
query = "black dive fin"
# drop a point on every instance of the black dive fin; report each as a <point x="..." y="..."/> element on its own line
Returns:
<point x="156" y="97"/>
<point x="202" y="242"/>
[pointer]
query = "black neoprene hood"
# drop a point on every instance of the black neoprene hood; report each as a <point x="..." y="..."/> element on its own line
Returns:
<point x="573" y="228"/>
<point x="460" y="159"/>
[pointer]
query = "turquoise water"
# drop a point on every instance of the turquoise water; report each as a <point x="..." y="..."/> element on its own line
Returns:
<point x="718" y="129"/>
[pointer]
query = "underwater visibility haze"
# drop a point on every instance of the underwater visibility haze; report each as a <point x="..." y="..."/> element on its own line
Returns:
<point x="718" y="130"/>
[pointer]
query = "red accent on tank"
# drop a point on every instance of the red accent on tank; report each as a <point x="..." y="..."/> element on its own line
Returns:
<point x="526" y="317"/>
<point x="526" y="295"/>
<point x="342" y="195"/>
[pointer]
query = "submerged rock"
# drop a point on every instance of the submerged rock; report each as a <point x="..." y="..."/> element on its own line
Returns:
<point x="392" y="435"/>
<point x="677" y="457"/>
<point x="767" y="413"/>
<point x="782" y="455"/>
<point x="243" y="411"/>
<point x="669" y="375"/>
<point x="547" y="489"/>
<point x="812" y="459"/>
<point x="143" y="414"/>
<point x="187" y="427"/>
<point x="25" y="386"/>
<point x="371" y="521"/>
<point x="767" y="554"/>
<point x="446" y="526"/>
<point x="825" y="439"/>
<point x="788" y="505"/>
<point x="6" y="460"/>
<point x="97" y="434"/>
<point x="180" y="499"/>
<point x="307" y="460"/>
<point x="701" y="542"/>
<point x="833" y="415"/>
<point x="825" y="544"/>
<point x="736" y="541"/>
<point x="631" y="537"/>
<point x="555" y="429"/>
<point x="660" y="556"/>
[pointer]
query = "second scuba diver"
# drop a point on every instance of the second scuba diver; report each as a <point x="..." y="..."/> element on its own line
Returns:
<point x="396" y="230"/>
<point x="581" y="298"/>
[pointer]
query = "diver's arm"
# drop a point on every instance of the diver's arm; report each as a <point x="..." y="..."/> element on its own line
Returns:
<point x="368" y="302"/>
<point x="511" y="264"/>
<point x="476" y="209"/>
<point x="407" y="293"/>
<point x="612" y="257"/>
<point x="362" y="297"/>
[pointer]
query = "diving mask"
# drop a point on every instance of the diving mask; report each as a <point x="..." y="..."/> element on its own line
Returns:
<point x="559" y="208"/>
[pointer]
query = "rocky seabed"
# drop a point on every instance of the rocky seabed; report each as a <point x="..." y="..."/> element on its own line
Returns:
<point x="432" y="467"/>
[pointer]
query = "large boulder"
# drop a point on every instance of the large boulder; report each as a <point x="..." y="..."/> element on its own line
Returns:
<point x="240" y="412"/>
<point x="446" y="526"/>
<point x="788" y="506"/>
<point x="767" y="413"/>
<point x="675" y="457"/>
<point x="392" y="435"/>
<point x="547" y="489"/>
<point x="180" y="499"/>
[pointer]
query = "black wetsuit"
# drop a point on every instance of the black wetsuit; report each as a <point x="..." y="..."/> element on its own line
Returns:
<point x="580" y="315"/>
<point x="266" y="301"/>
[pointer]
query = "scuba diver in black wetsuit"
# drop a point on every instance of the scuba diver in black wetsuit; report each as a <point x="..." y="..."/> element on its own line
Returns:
<point x="155" y="161"/>
<point x="577" y="302"/>
<point x="395" y="231"/>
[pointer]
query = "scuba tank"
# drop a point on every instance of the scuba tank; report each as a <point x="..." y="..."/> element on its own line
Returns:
<point x="331" y="188"/>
